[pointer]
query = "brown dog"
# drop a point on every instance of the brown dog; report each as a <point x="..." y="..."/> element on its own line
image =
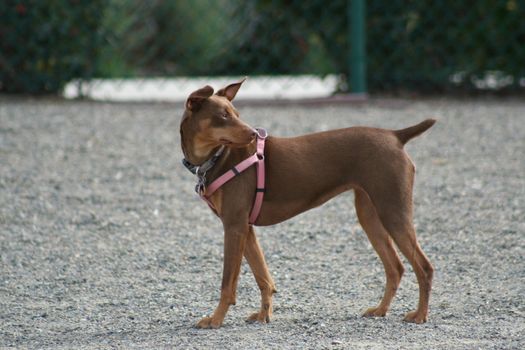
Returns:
<point x="370" y="161"/>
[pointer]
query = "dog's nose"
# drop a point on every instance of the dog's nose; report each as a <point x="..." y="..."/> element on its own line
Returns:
<point x="254" y="134"/>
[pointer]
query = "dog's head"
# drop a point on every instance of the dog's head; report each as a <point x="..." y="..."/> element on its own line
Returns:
<point x="210" y="120"/>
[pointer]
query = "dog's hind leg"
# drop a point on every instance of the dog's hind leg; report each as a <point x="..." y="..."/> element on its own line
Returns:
<point x="382" y="243"/>
<point x="404" y="235"/>
<point x="255" y="257"/>
<point x="393" y="203"/>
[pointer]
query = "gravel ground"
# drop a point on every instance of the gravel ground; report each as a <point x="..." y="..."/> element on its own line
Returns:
<point x="103" y="243"/>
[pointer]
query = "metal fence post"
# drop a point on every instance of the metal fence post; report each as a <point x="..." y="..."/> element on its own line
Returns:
<point x="357" y="36"/>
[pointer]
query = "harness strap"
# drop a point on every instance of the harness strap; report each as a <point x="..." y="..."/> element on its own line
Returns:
<point x="260" y="189"/>
<point x="258" y="159"/>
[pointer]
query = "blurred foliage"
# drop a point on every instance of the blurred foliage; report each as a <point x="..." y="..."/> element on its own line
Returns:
<point x="439" y="46"/>
<point x="287" y="37"/>
<point x="163" y="37"/>
<point x="411" y="44"/>
<point x="44" y="44"/>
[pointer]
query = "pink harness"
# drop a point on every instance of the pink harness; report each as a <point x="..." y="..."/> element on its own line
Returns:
<point x="258" y="159"/>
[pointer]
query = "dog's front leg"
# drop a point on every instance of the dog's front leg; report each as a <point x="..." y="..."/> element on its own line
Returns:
<point x="234" y="242"/>
<point x="255" y="257"/>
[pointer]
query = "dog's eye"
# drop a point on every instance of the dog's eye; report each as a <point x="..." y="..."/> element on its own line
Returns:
<point x="224" y="116"/>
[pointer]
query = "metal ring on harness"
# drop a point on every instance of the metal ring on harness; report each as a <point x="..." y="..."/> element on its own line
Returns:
<point x="261" y="133"/>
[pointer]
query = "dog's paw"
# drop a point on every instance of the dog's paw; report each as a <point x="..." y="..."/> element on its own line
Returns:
<point x="208" y="322"/>
<point x="415" y="317"/>
<point x="375" y="312"/>
<point x="262" y="316"/>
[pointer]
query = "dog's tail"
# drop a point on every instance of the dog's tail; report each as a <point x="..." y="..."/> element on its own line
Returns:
<point x="405" y="135"/>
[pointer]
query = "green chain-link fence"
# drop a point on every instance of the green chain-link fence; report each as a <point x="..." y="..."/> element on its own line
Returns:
<point x="410" y="45"/>
<point x="442" y="45"/>
<point x="44" y="44"/>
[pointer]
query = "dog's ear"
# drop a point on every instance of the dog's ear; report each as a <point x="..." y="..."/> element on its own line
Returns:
<point x="231" y="90"/>
<point x="196" y="98"/>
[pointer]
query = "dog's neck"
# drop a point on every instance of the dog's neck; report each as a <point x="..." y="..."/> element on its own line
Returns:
<point x="203" y="168"/>
<point x="228" y="157"/>
<point x="200" y="155"/>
